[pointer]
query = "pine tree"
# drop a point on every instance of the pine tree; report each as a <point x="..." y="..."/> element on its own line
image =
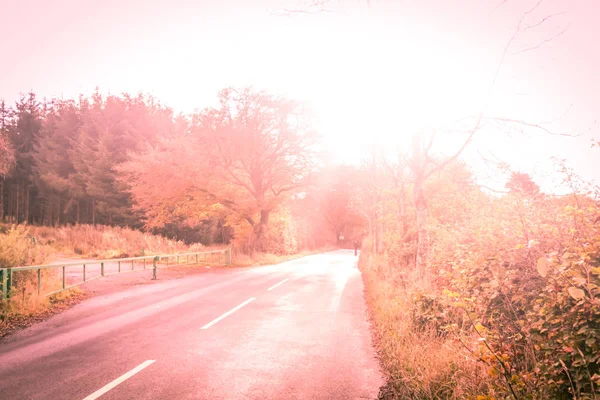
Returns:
<point x="29" y="114"/>
<point x="52" y="155"/>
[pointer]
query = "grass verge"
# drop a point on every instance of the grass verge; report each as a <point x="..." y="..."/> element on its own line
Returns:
<point x="418" y="362"/>
<point x="26" y="309"/>
<point x="258" y="259"/>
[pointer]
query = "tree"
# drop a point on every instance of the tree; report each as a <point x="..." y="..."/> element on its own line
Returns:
<point x="28" y="117"/>
<point x="53" y="151"/>
<point x="248" y="155"/>
<point x="7" y="152"/>
<point x="523" y="184"/>
<point x="330" y="204"/>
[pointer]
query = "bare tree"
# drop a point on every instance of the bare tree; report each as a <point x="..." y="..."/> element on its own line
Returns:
<point x="422" y="161"/>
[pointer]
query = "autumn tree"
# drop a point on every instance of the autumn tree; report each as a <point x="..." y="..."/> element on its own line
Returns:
<point x="522" y="183"/>
<point x="330" y="205"/>
<point x="248" y="155"/>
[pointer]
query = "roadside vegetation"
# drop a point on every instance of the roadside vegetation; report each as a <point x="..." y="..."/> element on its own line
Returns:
<point x="508" y="305"/>
<point x="17" y="248"/>
<point x="106" y="242"/>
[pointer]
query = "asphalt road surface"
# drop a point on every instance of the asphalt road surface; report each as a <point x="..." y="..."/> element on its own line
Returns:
<point x="296" y="330"/>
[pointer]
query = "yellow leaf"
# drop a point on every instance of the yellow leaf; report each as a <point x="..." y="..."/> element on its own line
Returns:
<point x="543" y="264"/>
<point x="576" y="293"/>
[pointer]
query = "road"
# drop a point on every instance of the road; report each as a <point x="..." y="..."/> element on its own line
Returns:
<point x="297" y="330"/>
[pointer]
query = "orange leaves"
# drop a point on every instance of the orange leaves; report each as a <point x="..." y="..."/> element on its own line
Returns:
<point x="543" y="264"/>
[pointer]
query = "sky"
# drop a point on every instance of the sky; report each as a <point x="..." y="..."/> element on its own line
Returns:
<point x="372" y="74"/>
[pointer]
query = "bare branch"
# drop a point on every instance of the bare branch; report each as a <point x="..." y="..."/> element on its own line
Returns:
<point x="503" y="2"/>
<point x="460" y="150"/>
<point x="493" y="190"/>
<point x="545" y="41"/>
<point x="528" y="27"/>
<point x="314" y="7"/>
<point x="530" y="125"/>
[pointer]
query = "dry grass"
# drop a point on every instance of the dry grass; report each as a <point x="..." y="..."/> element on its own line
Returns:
<point x="107" y="242"/>
<point x="419" y="364"/>
<point x="26" y="308"/>
<point x="21" y="245"/>
<point x="17" y="247"/>
<point x="257" y="259"/>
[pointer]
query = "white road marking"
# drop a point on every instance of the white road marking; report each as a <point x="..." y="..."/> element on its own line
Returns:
<point x="214" y="321"/>
<point x="277" y="284"/>
<point x="119" y="380"/>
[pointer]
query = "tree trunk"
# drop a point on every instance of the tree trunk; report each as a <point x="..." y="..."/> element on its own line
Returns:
<point x="17" y="212"/>
<point x="418" y="167"/>
<point x="57" y="210"/>
<point x="379" y="228"/>
<point x="401" y="199"/>
<point x="94" y="212"/>
<point x="2" y="201"/>
<point x="260" y="230"/>
<point x="78" y="211"/>
<point x="27" y="204"/>
<point x="422" y="231"/>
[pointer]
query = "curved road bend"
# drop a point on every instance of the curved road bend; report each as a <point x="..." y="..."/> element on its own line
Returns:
<point x="297" y="330"/>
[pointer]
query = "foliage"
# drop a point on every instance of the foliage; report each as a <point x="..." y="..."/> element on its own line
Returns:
<point x="129" y="161"/>
<point x="18" y="247"/>
<point x="245" y="157"/>
<point x="514" y="286"/>
<point x="418" y="361"/>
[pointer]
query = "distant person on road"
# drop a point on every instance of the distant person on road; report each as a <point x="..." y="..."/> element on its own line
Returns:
<point x="355" y="243"/>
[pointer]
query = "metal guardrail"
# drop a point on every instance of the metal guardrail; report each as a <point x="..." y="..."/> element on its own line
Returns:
<point x="169" y="260"/>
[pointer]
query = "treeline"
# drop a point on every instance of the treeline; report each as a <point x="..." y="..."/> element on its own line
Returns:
<point x="64" y="154"/>
<point x="246" y="171"/>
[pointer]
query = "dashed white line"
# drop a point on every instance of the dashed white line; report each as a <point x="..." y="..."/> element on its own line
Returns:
<point x="277" y="284"/>
<point x="214" y="321"/>
<point x="119" y="380"/>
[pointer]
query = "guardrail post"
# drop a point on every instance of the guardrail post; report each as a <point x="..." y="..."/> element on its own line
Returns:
<point x="102" y="269"/>
<point x="5" y="278"/>
<point x="39" y="280"/>
<point x="228" y="257"/>
<point x="154" y="260"/>
<point x="3" y="283"/>
<point x="84" y="272"/>
<point x="196" y="258"/>
<point x="119" y="266"/>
